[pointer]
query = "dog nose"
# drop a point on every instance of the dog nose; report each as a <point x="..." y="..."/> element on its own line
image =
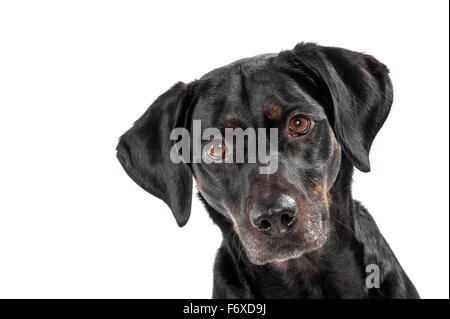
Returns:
<point x="275" y="220"/>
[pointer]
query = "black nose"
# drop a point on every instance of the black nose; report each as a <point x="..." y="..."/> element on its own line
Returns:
<point x="277" y="219"/>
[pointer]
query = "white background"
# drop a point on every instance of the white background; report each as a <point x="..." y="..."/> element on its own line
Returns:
<point x="74" y="75"/>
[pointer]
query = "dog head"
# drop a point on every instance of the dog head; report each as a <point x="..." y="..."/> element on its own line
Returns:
<point x="325" y="104"/>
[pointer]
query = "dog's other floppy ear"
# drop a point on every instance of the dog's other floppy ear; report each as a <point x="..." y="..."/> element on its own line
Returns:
<point x="144" y="152"/>
<point x="359" y="89"/>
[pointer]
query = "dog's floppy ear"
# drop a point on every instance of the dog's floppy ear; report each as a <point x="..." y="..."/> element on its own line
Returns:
<point x="359" y="90"/>
<point x="144" y="152"/>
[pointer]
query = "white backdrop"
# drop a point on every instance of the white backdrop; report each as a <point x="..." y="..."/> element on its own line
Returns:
<point x="75" y="75"/>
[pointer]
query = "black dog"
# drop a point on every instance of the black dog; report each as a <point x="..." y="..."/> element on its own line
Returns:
<point x="296" y="233"/>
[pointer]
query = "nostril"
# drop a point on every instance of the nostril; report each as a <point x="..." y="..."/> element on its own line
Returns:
<point x="287" y="219"/>
<point x="264" y="224"/>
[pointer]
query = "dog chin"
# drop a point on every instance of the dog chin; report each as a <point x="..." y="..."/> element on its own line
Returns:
<point x="283" y="254"/>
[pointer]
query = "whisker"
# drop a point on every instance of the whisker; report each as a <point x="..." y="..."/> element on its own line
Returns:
<point x="342" y="224"/>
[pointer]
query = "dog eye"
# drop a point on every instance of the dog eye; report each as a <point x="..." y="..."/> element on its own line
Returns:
<point x="217" y="149"/>
<point x="299" y="125"/>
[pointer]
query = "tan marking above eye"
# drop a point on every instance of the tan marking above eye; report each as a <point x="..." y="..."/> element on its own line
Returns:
<point x="274" y="112"/>
<point x="231" y="122"/>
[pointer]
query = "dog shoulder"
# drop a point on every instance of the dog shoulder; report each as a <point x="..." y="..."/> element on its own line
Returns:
<point x="393" y="281"/>
<point x="228" y="281"/>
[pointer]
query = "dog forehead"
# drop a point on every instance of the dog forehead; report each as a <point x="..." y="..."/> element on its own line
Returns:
<point x="246" y="66"/>
<point x="232" y="95"/>
<point x="250" y="90"/>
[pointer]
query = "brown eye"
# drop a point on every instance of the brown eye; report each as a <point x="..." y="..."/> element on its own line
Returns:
<point x="299" y="125"/>
<point x="217" y="149"/>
